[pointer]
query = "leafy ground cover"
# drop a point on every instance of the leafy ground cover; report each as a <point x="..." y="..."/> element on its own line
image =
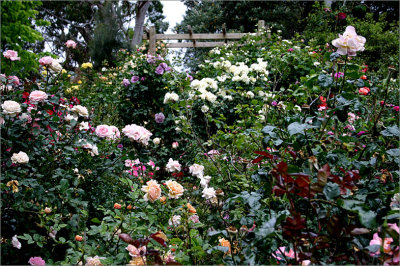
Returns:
<point x="274" y="152"/>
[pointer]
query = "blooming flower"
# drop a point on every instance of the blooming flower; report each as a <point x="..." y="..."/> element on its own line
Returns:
<point x="125" y="82"/>
<point x="94" y="261"/>
<point x="159" y="70"/>
<point x="175" y="145"/>
<point x="396" y="108"/>
<point x="11" y="108"/>
<point x="136" y="252"/>
<point x="46" y="60"/>
<point x="349" y="43"/>
<point x="103" y="131"/>
<point x="225" y="243"/>
<point x="175" y="189"/>
<point x="135" y="79"/>
<point x="37" y="261"/>
<point x="153" y="191"/>
<point x="173" y="166"/>
<point x="78" y="238"/>
<point x="159" y="118"/>
<point x="281" y="251"/>
<point x="364" y="91"/>
<point x="205" y="109"/>
<point x="14" y="80"/>
<point x="80" y="110"/>
<point x="208" y="193"/>
<point x="21" y="158"/>
<point x="341" y="16"/>
<point x="204" y="181"/>
<point x="175" y="220"/>
<point x="37" y="97"/>
<point x="137" y="133"/>
<point x="87" y="65"/>
<point x="117" y="206"/>
<point x="15" y="242"/>
<point x="156" y="141"/>
<point x="12" y="55"/>
<point x="339" y="75"/>
<point x="197" y="170"/>
<point x="171" y="97"/>
<point x="70" y="44"/>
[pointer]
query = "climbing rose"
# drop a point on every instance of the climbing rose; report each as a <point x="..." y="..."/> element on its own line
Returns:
<point x="103" y="131"/>
<point x="173" y="166"/>
<point x="21" y="158"/>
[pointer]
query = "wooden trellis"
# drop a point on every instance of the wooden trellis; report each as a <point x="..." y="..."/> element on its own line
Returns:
<point x="151" y="35"/>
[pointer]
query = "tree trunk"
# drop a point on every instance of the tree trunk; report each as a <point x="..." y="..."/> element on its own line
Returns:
<point x="141" y="9"/>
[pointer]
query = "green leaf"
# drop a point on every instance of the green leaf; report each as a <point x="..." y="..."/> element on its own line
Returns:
<point x="331" y="191"/>
<point x="296" y="127"/>
<point x="391" y="131"/>
<point x="267" y="129"/>
<point x="266" y="228"/>
<point x="367" y="218"/>
<point x="325" y="80"/>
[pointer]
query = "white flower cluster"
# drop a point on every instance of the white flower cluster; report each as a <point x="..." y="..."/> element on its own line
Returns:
<point x="202" y="86"/>
<point x="198" y="171"/>
<point x="171" y="97"/>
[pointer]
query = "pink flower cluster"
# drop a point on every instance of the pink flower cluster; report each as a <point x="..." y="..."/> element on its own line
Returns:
<point x="109" y="132"/>
<point x="139" y="169"/>
<point x="47" y="60"/>
<point x="12" y="55"/>
<point x="392" y="252"/>
<point x="137" y="133"/>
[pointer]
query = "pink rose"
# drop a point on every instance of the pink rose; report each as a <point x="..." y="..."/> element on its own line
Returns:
<point x="12" y="55"/>
<point x="37" y="96"/>
<point x="137" y="133"/>
<point x="47" y="60"/>
<point x="349" y="43"/>
<point x="14" y="80"/>
<point x="37" y="261"/>
<point x="103" y="131"/>
<point x="70" y="44"/>
<point x="114" y="133"/>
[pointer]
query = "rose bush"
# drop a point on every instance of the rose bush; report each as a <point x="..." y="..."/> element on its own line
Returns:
<point x="277" y="152"/>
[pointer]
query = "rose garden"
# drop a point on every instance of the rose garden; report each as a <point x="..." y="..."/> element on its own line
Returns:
<point x="274" y="151"/>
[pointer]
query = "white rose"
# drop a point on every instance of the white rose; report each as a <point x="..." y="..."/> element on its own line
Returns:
<point x="208" y="193"/>
<point x="197" y="170"/>
<point x="205" y="109"/>
<point x="84" y="126"/>
<point x="21" y="158"/>
<point x="250" y="95"/>
<point x="15" y="242"/>
<point x="156" y="141"/>
<point x="55" y="66"/>
<point x="175" y="220"/>
<point x="11" y="108"/>
<point x="173" y="166"/>
<point x="69" y="117"/>
<point x="80" y="110"/>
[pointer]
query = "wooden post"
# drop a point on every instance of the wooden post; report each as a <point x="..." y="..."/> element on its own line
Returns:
<point x="224" y="32"/>
<point x="152" y="40"/>
<point x="191" y="35"/>
<point x="261" y="27"/>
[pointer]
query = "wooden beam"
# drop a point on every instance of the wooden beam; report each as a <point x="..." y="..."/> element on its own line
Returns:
<point x="201" y="36"/>
<point x="194" y="45"/>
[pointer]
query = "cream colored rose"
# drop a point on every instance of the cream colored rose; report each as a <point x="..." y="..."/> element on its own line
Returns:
<point x="80" y="110"/>
<point x="21" y="158"/>
<point x="11" y="108"/>
<point x="153" y="191"/>
<point x="175" y="189"/>
<point x="349" y="43"/>
<point x="55" y="66"/>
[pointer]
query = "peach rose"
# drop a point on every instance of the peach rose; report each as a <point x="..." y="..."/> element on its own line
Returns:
<point x="175" y="189"/>
<point x="225" y="243"/>
<point x="153" y="191"/>
<point x="191" y="208"/>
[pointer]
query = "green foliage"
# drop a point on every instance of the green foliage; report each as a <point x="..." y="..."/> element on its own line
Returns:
<point x="17" y="33"/>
